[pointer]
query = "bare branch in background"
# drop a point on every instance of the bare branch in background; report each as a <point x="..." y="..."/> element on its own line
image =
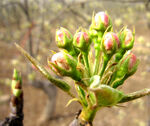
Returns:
<point x="4" y="99"/>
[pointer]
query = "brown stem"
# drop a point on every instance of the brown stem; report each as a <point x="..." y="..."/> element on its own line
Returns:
<point x="16" y="106"/>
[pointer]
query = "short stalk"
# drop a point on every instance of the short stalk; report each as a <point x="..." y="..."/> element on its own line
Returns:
<point x="87" y="115"/>
<point x="86" y="62"/>
<point x="105" y="61"/>
<point x="97" y="61"/>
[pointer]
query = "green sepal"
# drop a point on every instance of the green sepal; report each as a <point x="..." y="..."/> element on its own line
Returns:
<point x="13" y="84"/>
<point x="93" y="33"/>
<point x="17" y="81"/>
<point x="106" y="95"/>
<point x="67" y="42"/>
<point x="82" y="95"/>
<point x="100" y="26"/>
<point x="122" y="35"/>
<point x="122" y="71"/>
<point x="83" y="44"/>
<point x="72" y="100"/>
<point x="72" y="72"/>
<point x="113" y="50"/>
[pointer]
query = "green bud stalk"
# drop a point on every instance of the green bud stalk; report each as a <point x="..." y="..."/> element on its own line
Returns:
<point x="82" y="42"/>
<point x="110" y="45"/>
<point x="106" y="95"/>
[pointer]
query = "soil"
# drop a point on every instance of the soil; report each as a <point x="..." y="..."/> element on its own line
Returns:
<point x="129" y="114"/>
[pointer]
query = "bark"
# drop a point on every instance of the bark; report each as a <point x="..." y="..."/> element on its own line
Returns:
<point x="16" y="115"/>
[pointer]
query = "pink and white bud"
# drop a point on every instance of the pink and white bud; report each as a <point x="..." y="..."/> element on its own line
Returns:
<point x="103" y="17"/>
<point x="129" y="62"/>
<point x="82" y="40"/>
<point x="126" y="67"/>
<point x="129" y="36"/>
<point x="101" y="21"/>
<point x="132" y="61"/>
<point x="85" y="37"/>
<point x="63" y="38"/>
<point x="111" y="41"/>
<point x="126" y="38"/>
<point x="65" y="65"/>
<point x="59" y="60"/>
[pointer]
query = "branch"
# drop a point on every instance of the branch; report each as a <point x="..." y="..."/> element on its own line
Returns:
<point x="135" y="95"/>
<point x="114" y="1"/>
<point x="4" y="99"/>
<point x="16" y="103"/>
<point x="77" y="13"/>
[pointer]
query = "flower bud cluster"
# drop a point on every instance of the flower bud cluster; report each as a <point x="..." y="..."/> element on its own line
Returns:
<point x="98" y="73"/>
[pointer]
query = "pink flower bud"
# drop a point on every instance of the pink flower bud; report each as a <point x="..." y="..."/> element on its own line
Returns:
<point x="132" y="62"/>
<point x="129" y="36"/>
<point x="104" y="18"/>
<point x="59" y="60"/>
<point x="63" y="38"/>
<point x="65" y="65"/>
<point x="101" y="22"/>
<point x="126" y="67"/>
<point x="85" y="37"/>
<point x="60" y="35"/>
<point x="111" y="41"/>
<point x="82" y="40"/>
<point x="126" y="38"/>
<point x="129" y="62"/>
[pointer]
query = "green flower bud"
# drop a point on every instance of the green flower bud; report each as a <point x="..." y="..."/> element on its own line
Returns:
<point x="106" y="95"/>
<point x="64" y="38"/>
<point x="65" y="65"/>
<point x="126" y="67"/>
<point x="16" y="84"/>
<point x="82" y="40"/>
<point x="127" y="39"/>
<point x="101" y="21"/>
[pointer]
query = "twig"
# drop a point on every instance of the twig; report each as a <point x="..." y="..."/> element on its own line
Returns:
<point x="4" y="99"/>
<point x="135" y="95"/>
<point x="16" y="103"/>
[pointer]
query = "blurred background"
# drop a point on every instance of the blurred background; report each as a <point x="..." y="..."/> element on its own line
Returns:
<point x="32" y="24"/>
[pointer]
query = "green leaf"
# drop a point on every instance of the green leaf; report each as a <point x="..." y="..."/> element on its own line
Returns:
<point x="57" y="82"/>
